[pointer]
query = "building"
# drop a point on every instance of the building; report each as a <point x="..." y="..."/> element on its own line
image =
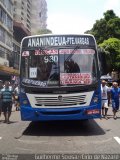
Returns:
<point x="18" y="18"/>
<point x="21" y="26"/>
<point x="22" y="18"/>
<point x="29" y="17"/>
<point x="6" y="38"/>
<point x="38" y="16"/>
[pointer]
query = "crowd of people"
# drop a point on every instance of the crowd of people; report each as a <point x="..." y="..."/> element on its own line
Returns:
<point x="110" y="95"/>
<point x="9" y="95"/>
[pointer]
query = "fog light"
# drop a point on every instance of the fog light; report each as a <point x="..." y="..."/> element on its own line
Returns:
<point x="25" y="102"/>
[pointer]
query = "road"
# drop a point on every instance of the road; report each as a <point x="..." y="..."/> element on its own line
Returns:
<point x="94" y="136"/>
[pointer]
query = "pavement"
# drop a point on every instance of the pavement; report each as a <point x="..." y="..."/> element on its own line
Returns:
<point x="65" y="137"/>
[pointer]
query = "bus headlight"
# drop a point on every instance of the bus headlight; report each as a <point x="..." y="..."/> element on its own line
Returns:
<point x="95" y="99"/>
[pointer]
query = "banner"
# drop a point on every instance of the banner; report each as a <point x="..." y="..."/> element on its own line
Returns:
<point x="75" y="78"/>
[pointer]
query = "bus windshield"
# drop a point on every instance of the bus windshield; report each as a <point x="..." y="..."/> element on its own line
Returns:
<point x="58" y="67"/>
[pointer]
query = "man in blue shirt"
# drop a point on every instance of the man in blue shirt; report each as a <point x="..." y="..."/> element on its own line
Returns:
<point x="6" y="95"/>
<point x="115" y="95"/>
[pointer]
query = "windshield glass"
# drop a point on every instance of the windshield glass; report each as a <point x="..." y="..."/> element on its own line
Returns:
<point x="58" y="67"/>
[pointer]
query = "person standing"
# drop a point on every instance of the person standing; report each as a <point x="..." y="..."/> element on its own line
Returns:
<point x="6" y="95"/>
<point x="115" y="95"/>
<point x="104" y="94"/>
<point x="17" y="92"/>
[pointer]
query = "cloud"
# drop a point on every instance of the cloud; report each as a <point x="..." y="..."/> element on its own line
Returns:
<point x="68" y="23"/>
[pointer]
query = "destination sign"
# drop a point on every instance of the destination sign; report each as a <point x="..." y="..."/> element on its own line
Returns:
<point x="41" y="41"/>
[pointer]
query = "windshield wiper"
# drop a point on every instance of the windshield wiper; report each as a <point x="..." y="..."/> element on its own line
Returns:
<point x="72" y="53"/>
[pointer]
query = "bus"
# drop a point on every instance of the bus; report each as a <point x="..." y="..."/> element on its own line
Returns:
<point x="59" y="78"/>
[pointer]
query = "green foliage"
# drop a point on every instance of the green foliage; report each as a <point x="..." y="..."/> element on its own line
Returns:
<point x="106" y="27"/>
<point x="111" y="45"/>
<point x="113" y="28"/>
<point x="109" y="15"/>
<point x="99" y="30"/>
<point x="112" y="48"/>
<point x="107" y="34"/>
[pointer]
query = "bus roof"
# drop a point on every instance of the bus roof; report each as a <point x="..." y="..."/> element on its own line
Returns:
<point x="51" y="34"/>
<point x="58" y="40"/>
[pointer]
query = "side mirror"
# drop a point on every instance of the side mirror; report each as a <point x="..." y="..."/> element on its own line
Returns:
<point x="105" y="62"/>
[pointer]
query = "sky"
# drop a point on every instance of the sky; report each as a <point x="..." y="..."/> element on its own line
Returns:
<point x="77" y="16"/>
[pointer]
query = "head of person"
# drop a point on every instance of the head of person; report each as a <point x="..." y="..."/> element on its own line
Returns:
<point x="115" y="84"/>
<point x="7" y="84"/>
<point x="104" y="83"/>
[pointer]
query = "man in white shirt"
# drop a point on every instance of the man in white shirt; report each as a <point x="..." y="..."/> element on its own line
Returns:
<point x="104" y="94"/>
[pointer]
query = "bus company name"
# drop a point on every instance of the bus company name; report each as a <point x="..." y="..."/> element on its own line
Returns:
<point x="57" y="41"/>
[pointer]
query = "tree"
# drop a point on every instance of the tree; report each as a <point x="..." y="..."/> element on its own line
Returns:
<point x="109" y="14"/>
<point x="112" y="48"/>
<point x="106" y="27"/>
<point x="113" y="28"/>
<point x="99" y="30"/>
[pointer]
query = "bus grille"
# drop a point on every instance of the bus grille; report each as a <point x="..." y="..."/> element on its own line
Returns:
<point x="64" y="100"/>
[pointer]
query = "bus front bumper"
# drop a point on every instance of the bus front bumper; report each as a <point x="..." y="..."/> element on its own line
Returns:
<point x="47" y="114"/>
